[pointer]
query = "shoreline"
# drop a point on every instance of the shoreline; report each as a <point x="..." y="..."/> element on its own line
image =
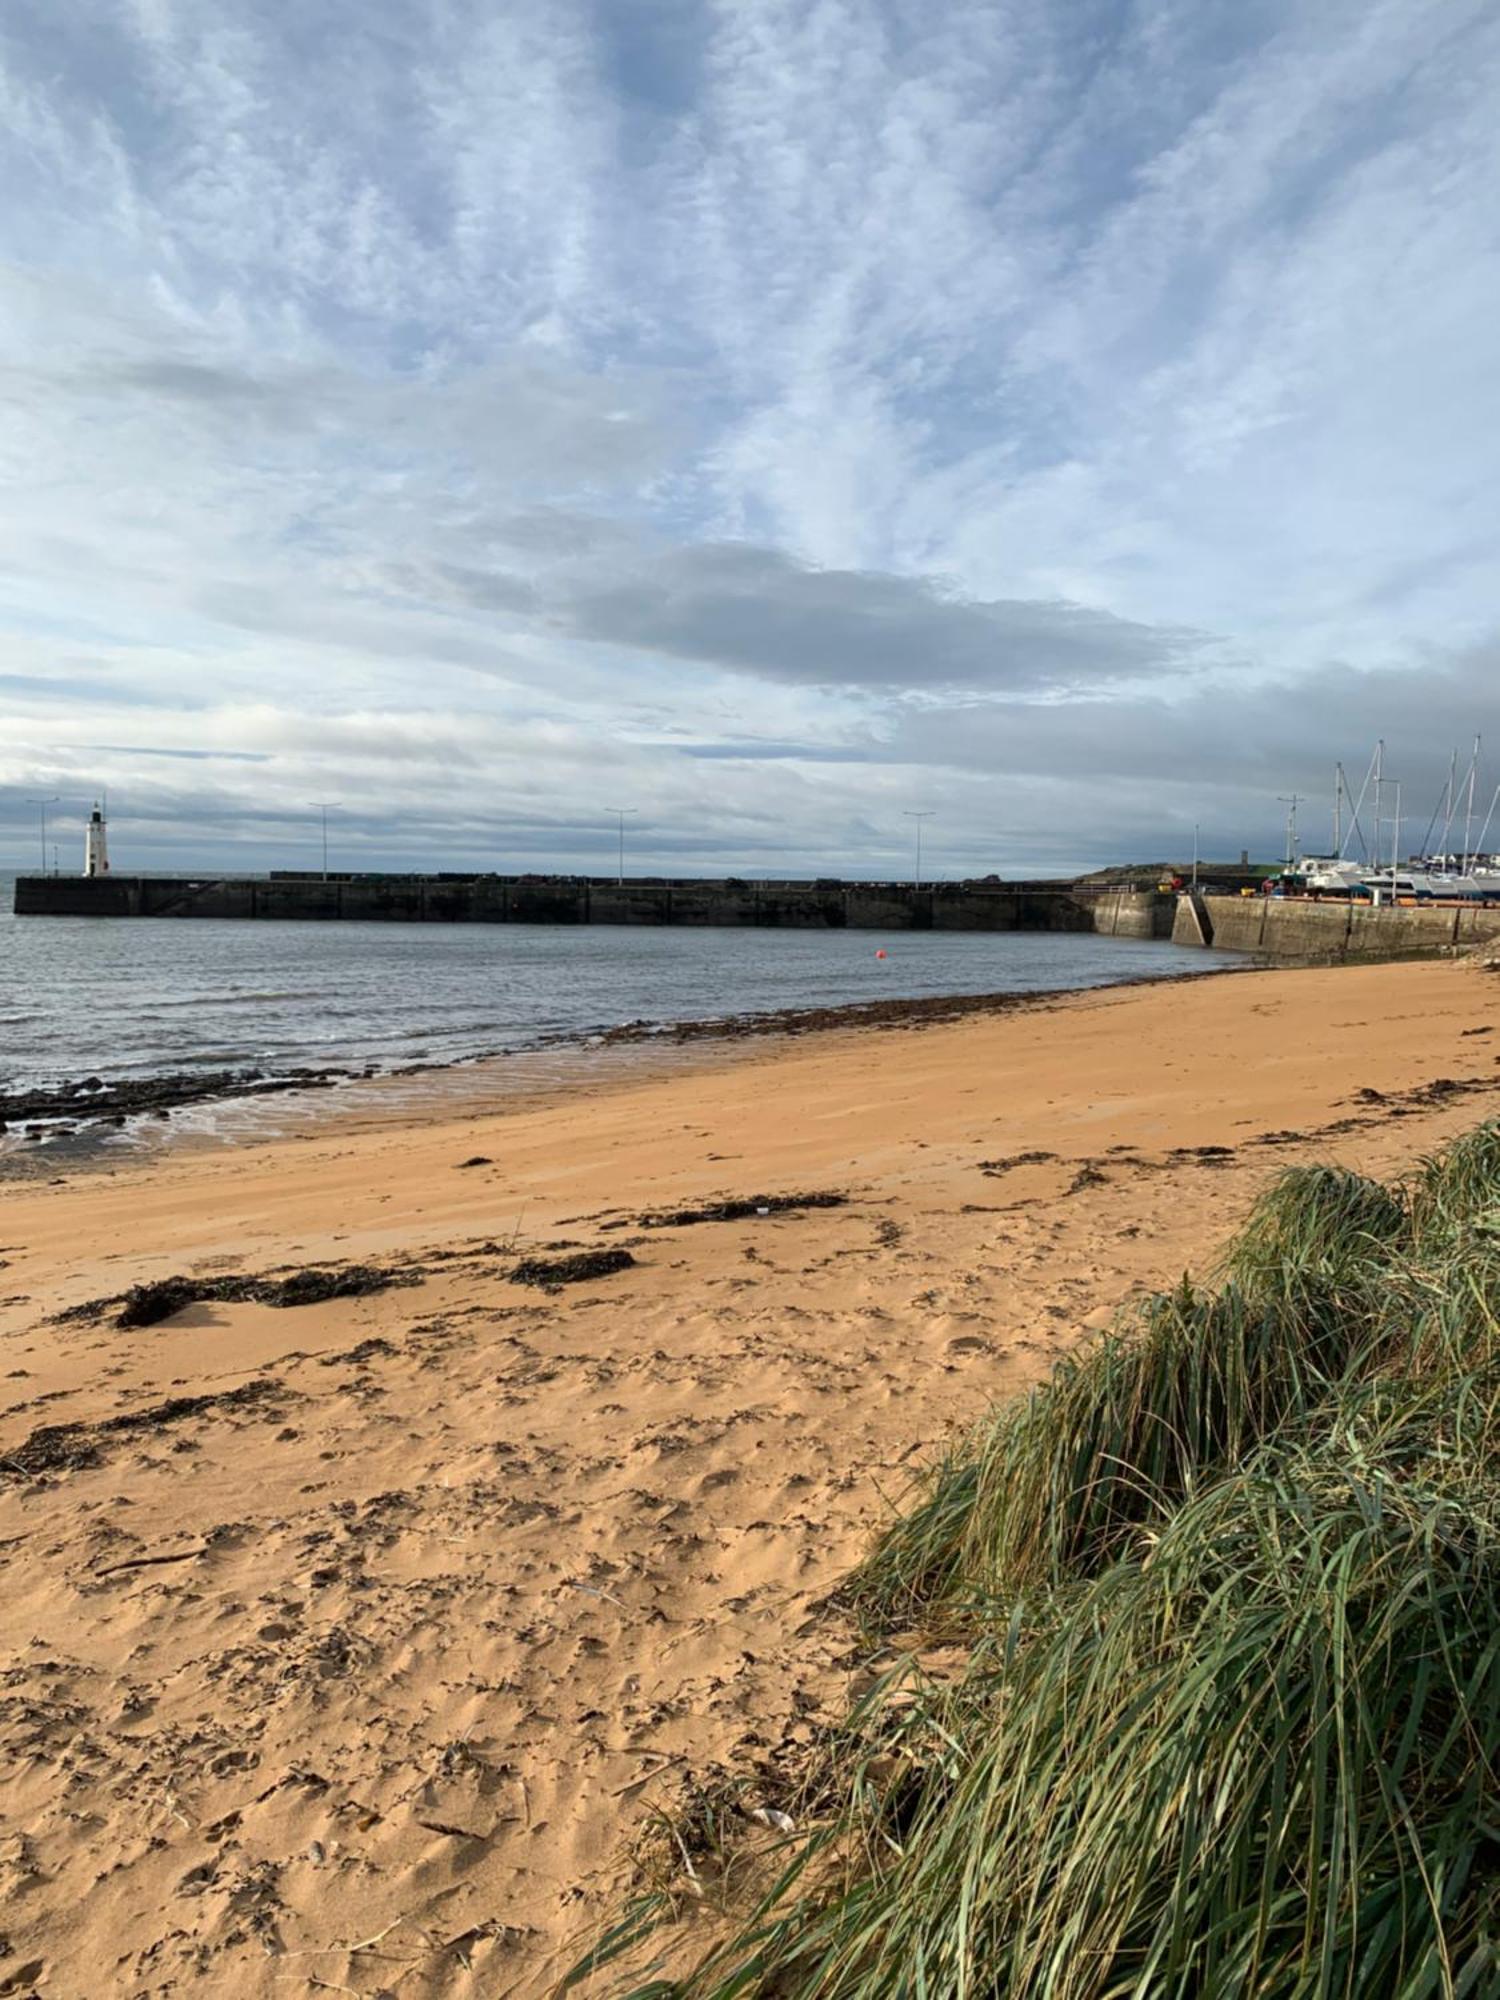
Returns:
<point x="396" y="1610"/>
<point x="81" y="1118"/>
<point x="922" y="1011"/>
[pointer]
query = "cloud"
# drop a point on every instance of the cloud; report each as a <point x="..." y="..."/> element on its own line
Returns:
<point x="738" y="608"/>
<point x="759" y="611"/>
<point x="134" y="750"/>
<point x="794" y="409"/>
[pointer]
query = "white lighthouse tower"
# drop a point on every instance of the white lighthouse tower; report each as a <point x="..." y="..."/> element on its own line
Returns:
<point x="95" y="846"/>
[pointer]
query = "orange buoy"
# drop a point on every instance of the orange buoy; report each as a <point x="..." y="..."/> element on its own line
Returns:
<point x="880" y="953"/>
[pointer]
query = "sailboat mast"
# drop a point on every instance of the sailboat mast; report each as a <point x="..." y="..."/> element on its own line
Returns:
<point x="1469" y="809"/>
<point x="1449" y="802"/>
<point x="1396" y="839"/>
<point x="1484" y="831"/>
<point x="1355" y="829"/>
<point x="1338" y="810"/>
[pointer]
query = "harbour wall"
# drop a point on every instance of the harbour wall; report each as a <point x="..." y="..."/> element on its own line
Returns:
<point x="1318" y="933"/>
<point x="1293" y="930"/>
<point x="1130" y="912"/>
<point x="826" y="905"/>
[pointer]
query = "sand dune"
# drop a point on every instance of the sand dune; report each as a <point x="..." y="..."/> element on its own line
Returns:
<point x="343" y="1645"/>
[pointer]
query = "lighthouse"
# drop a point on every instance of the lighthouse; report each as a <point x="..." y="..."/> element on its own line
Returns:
<point x="95" y="846"/>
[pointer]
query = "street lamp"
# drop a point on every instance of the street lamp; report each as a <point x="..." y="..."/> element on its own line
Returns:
<point x="1195" y="857"/>
<point x="325" y="807"/>
<point x="622" y="813"/>
<point x="44" y="803"/>
<point x="926" y="813"/>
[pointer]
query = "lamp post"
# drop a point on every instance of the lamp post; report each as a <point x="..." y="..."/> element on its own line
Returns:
<point x="44" y="803"/>
<point x="926" y="813"/>
<point x="325" y="807"/>
<point x="1195" y="857"/>
<point x="622" y="813"/>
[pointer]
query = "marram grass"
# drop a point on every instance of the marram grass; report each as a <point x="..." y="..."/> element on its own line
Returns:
<point x="1229" y="1586"/>
<point x="1054" y="1485"/>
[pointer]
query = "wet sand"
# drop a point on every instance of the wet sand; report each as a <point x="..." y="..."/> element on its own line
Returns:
<point x="85" y="1121"/>
<point x="343" y="1645"/>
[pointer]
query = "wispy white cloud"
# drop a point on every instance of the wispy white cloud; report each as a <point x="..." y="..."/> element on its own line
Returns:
<point x="460" y="403"/>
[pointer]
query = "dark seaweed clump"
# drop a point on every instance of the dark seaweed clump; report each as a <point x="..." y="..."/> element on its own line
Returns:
<point x="739" y="1207"/>
<point x="163" y="1298"/>
<point x="74" y="1447"/>
<point x="549" y="1272"/>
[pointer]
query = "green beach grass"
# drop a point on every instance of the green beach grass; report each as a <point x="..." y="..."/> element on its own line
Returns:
<point x="1224" y="1599"/>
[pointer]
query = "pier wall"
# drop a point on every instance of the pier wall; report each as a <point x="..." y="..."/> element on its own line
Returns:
<point x="1299" y="932"/>
<point x="1133" y="913"/>
<point x="827" y="905"/>
<point x="1334" y="933"/>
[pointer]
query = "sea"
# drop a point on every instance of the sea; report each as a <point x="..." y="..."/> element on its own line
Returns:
<point x="125" y="999"/>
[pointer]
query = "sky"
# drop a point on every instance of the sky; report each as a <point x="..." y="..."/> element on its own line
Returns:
<point x="768" y="419"/>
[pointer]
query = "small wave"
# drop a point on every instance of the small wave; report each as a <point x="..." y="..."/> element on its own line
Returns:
<point x="212" y="1000"/>
<point x="440" y="1031"/>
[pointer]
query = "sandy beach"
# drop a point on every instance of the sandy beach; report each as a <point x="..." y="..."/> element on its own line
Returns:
<point x="344" y="1646"/>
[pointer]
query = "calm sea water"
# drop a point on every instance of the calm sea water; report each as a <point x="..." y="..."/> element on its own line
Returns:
<point x="118" y="998"/>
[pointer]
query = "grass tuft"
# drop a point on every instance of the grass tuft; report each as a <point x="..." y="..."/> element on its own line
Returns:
<point x="1051" y="1487"/>
<point x="1228" y="1591"/>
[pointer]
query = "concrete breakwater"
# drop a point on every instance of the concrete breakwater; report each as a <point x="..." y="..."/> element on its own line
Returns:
<point x="988" y="905"/>
<point x="1325" y="933"/>
<point x="1294" y="930"/>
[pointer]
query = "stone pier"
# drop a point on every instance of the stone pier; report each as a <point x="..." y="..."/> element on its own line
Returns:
<point x="1304" y="931"/>
<point x="988" y="905"/>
